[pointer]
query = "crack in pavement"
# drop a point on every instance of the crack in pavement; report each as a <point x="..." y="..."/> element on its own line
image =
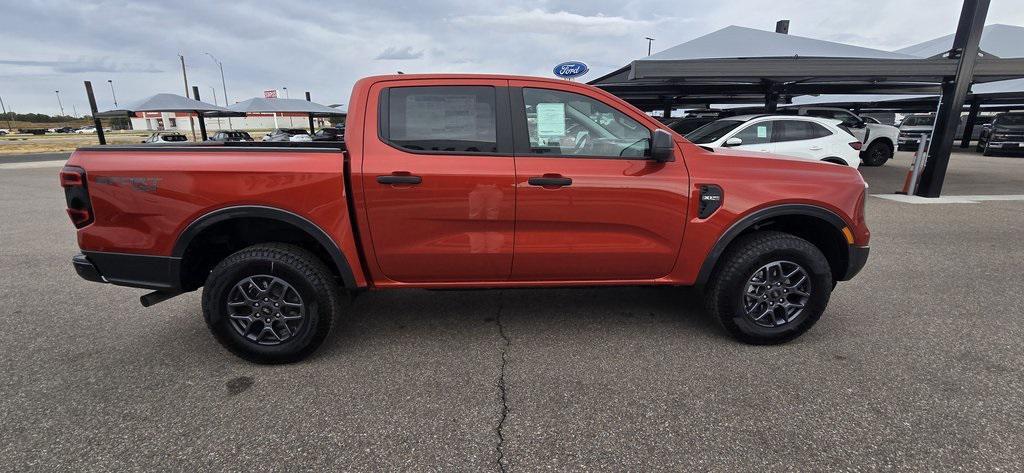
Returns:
<point x="503" y="390"/>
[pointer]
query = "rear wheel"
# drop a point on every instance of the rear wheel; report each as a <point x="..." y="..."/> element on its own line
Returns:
<point x="270" y="303"/>
<point x="769" y="288"/>
<point x="877" y="154"/>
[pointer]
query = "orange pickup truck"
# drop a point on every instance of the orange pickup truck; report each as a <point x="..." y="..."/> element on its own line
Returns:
<point x="464" y="181"/>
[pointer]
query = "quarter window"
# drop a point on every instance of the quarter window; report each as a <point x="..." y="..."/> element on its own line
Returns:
<point x="565" y="123"/>
<point x="447" y="119"/>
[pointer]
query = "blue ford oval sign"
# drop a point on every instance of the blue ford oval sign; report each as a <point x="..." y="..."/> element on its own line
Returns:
<point x="570" y="69"/>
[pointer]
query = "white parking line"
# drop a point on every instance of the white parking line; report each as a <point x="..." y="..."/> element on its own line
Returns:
<point x="34" y="164"/>
<point x="947" y="199"/>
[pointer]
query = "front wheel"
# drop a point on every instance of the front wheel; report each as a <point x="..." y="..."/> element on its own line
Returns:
<point x="987" y="150"/>
<point x="769" y="288"/>
<point x="877" y="154"/>
<point x="270" y="303"/>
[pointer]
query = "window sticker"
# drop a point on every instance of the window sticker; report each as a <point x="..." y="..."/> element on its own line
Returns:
<point x="551" y="119"/>
<point x="762" y="131"/>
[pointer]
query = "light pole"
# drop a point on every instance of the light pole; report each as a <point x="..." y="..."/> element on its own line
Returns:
<point x="223" y="84"/>
<point x="290" y="123"/>
<point x="112" y="94"/>
<point x="59" y="103"/>
<point x="649" y="41"/>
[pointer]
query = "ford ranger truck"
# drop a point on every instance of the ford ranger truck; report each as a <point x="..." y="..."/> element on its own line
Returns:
<point x="464" y="181"/>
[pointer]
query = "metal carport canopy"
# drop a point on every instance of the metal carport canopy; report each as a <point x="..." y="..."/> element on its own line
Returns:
<point x="869" y="73"/>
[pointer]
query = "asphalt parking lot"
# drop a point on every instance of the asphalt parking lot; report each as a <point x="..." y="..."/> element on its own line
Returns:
<point x="917" y="364"/>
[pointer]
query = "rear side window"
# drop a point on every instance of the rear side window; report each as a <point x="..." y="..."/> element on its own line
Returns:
<point x="446" y="119"/>
<point x="796" y="130"/>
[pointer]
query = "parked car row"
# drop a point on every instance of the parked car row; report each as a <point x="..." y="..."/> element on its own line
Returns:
<point x="802" y="137"/>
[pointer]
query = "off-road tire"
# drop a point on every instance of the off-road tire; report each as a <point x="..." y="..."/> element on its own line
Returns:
<point x="300" y="269"/>
<point x="724" y="294"/>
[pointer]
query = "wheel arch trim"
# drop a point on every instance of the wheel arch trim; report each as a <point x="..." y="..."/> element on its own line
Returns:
<point x="197" y="226"/>
<point x="756" y="217"/>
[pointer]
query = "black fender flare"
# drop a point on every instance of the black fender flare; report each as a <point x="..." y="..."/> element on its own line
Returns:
<point x="258" y="211"/>
<point x="757" y="217"/>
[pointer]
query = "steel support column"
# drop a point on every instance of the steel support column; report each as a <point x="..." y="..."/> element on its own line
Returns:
<point x="972" y="115"/>
<point x="96" y="120"/>
<point x="202" y="120"/>
<point x="954" y="92"/>
<point x="312" y="128"/>
<point x="771" y="97"/>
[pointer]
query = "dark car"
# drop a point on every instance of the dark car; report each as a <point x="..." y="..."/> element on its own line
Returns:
<point x="330" y="134"/>
<point x="1005" y="133"/>
<point x="231" y="135"/>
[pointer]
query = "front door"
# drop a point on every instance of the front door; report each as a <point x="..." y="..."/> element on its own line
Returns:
<point x="590" y="204"/>
<point x="439" y="180"/>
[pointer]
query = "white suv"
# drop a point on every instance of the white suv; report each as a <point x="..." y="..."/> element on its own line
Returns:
<point x="817" y="139"/>
<point x="879" y="140"/>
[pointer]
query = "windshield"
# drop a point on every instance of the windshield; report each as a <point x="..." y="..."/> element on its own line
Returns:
<point x="918" y="121"/>
<point x="1009" y="120"/>
<point x="712" y="131"/>
<point x="175" y="138"/>
<point x="296" y="131"/>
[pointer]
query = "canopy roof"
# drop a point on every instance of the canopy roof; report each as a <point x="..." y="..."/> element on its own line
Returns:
<point x="163" y="103"/>
<point x="264" y="105"/>
<point x="738" y="42"/>
<point x="744" y="65"/>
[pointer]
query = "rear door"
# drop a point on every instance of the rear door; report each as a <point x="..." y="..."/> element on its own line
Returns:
<point x="801" y="139"/>
<point x="590" y="204"/>
<point x="439" y="180"/>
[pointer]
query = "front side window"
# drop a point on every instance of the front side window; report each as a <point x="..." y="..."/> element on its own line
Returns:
<point x="713" y="131"/>
<point x="445" y="119"/>
<point x="565" y="123"/>
<point x="756" y="134"/>
<point x="796" y="130"/>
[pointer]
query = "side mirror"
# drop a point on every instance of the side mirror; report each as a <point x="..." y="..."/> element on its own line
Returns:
<point x="662" y="146"/>
<point x="734" y="141"/>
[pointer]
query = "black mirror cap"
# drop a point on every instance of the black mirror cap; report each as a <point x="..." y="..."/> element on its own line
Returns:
<point x="663" y="146"/>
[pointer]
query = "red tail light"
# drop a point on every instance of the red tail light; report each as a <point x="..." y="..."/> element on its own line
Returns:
<point x="856" y="145"/>
<point x="76" y="194"/>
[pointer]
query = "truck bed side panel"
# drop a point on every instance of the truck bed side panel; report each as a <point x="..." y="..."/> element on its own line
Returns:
<point x="143" y="200"/>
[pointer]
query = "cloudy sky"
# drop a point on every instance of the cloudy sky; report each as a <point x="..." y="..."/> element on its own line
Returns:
<point x="323" y="46"/>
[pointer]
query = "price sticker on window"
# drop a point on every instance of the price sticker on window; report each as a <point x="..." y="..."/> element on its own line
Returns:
<point x="551" y="119"/>
<point x="762" y="131"/>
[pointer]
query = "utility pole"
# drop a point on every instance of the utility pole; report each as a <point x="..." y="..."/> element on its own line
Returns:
<point x="60" y="103"/>
<point x="184" y="76"/>
<point x="74" y="109"/>
<point x="223" y="84"/>
<point x="111" y="82"/>
<point x="649" y="41"/>
<point x="10" y="125"/>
